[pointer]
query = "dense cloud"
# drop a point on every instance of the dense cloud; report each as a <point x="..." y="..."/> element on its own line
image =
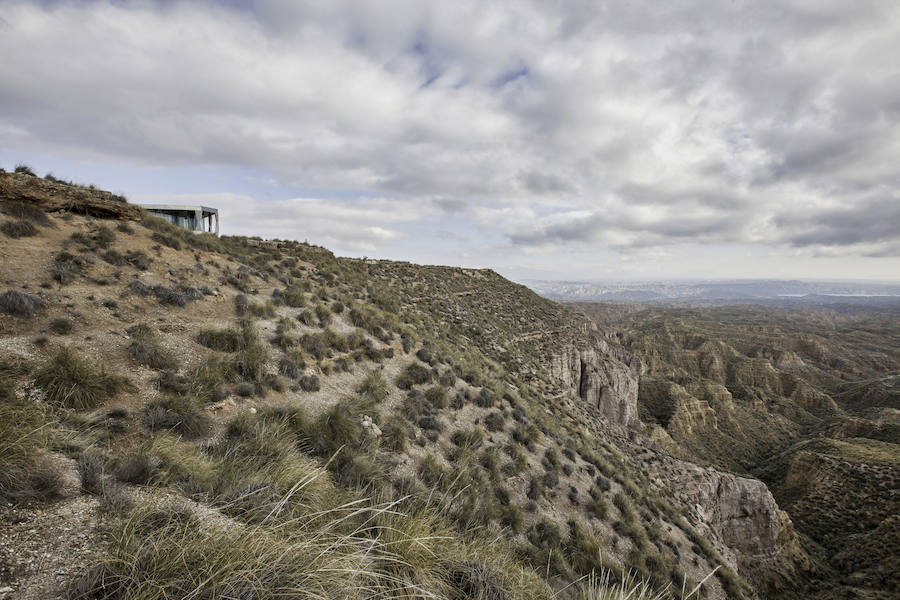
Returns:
<point x="551" y="126"/>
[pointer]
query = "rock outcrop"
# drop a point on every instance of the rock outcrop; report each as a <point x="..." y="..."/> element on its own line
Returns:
<point x="603" y="375"/>
<point x="54" y="196"/>
<point x="741" y="513"/>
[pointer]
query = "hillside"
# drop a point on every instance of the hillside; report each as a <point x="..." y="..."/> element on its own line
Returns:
<point x="805" y="399"/>
<point x="192" y="416"/>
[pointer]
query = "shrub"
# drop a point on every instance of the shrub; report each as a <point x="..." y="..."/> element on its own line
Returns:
<point x="20" y="304"/>
<point x="24" y="169"/>
<point x="534" y="489"/>
<point x="24" y="211"/>
<point x="551" y="459"/>
<point x="415" y="374"/>
<point x="274" y="382"/>
<point x="424" y="354"/>
<point x="18" y="229"/>
<point x="307" y="318"/>
<point x="447" y="378"/>
<point x="545" y="534"/>
<point x="430" y="423"/>
<point x="291" y="365"/>
<point x="511" y="516"/>
<point x="340" y="426"/>
<point x="250" y="359"/>
<point x="309" y="383"/>
<point x="69" y="380"/>
<point x="180" y="296"/>
<point x="136" y="258"/>
<point x="550" y="479"/>
<point x="526" y="435"/>
<point x="245" y="389"/>
<point x="485" y="398"/>
<point x="146" y="349"/>
<point x="395" y="434"/>
<point x="374" y="386"/>
<point x="166" y="240"/>
<point x="25" y="472"/>
<point x="179" y="414"/>
<point x="437" y="397"/>
<point x="315" y="343"/>
<point x="468" y="438"/>
<point x="138" y="468"/>
<point x="323" y="313"/>
<point x="494" y="421"/>
<point x="92" y="468"/>
<point x="432" y="472"/>
<point x="222" y="340"/>
<point x="66" y="268"/>
<point x="291" y="296"/>
<point x="102" y="238"/>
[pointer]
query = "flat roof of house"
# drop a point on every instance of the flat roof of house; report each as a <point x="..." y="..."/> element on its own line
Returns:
<point x="179" y="207"/>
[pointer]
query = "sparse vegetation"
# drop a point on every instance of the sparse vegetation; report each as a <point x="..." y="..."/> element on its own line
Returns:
<point x="479" y="424"/>
<point x="20" y="304"/>
<point x="25" y="471"/>
<point x="25" y="212"/>
<point x="69" y="380"/>
<point x="146" y="349"/>
<point x="414" y="374"/>
<point x="374" y="387"/>
<point x="178" y="414"/>
<point x="62" y="325"/>
<point x="18" y="229"/>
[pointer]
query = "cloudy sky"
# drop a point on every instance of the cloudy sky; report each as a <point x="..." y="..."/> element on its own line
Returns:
<point x="572" y="139"/>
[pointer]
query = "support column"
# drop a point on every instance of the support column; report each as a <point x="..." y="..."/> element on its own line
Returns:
<point x="217" y="222"/>
<point x="198" y="220"/>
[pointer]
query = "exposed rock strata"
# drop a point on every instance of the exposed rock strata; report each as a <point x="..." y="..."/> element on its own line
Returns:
<point x="742" y="513"/>
<point x="603" y="375"/>
<point x="52" y="196"/>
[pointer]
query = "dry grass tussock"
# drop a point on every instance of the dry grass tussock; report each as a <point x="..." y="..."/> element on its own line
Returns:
<point x="69" y="380"/>
<point x="25" y="471"/>
<point x="603" y="586"/>
<point x="358" y="549"/>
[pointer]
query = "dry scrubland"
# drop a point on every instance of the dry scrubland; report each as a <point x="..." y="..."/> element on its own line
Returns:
<point x="188" y="416"/>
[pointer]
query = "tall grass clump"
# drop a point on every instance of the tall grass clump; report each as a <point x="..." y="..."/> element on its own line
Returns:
<point x="374" y="386"/>
<point x="222" y="340"/>
<point x="18" y="229"/>
<point x="20" y="304"/>
<point x="177" y="414"/>
<point x="70" y="381"/>
<point x="146" y="349"/>
<point x="415" y="374"/>
<point x="165" y="552"/>
<point x="25" y="212"/>
<point x="25" y="471"/>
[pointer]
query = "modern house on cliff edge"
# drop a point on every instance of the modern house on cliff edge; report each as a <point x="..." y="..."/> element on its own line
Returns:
<point x="201" y="219"/>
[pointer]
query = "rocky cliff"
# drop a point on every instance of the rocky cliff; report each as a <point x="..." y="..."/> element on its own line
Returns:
<point x="601" y="374"/>
<point x="57" y="195"/>
<point x="743" y="515"/>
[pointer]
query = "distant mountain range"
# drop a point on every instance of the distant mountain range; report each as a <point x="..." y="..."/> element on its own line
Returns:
<point x="761" y="291"/>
